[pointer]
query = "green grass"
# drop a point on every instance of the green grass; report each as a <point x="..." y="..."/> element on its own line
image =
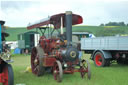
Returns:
<point x="103" y="30"/>
<point x="113" y="75"/>
<point x="96" y="30"/>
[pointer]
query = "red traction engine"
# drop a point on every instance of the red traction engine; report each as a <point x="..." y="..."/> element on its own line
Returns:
<point x="56" y="52"/>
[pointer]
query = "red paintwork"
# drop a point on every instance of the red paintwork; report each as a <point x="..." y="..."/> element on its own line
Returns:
<point x="56" y="21"/>
<point x="4" y="76"/>
<point x="71" y="69"/>
<point x="53" y="51"/>
<point x="48" y="61"/>
<point x="98" y="60"/>
<point x="48" y="44"/>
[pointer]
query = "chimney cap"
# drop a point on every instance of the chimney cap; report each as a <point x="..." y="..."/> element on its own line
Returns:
<point x="68" y="12"/>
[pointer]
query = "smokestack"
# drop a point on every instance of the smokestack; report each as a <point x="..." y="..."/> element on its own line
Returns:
<point x="69" y="27"/>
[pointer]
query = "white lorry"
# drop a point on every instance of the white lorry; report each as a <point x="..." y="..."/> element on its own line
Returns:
<point x="105" y="49"/>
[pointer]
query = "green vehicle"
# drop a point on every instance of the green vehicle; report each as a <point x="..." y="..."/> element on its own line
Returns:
<point x="27" y="40"/>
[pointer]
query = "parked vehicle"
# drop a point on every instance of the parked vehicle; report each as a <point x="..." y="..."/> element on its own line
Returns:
<point x="6" y="71"/>
<point x="28" y="40"/>
<point x="105" y="49"/>
<point x="57" y="53"/>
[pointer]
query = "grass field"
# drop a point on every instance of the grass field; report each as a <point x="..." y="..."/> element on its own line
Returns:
<point x="96" y="30"/>
<point x="113" y="75"/>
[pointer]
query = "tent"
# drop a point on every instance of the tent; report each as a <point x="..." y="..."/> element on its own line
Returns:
<point x="17" y="51"/>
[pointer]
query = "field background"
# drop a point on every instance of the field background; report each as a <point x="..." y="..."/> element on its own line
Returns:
<point x="96" y="30"/>
<point x="113" y="75"/>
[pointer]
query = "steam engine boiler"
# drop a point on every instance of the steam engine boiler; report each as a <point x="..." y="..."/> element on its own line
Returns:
<point x="56" y="52"/>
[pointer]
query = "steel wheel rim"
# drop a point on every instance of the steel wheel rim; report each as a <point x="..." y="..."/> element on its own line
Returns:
<point x="35" y="68"/>
<point x="82" y="73"/>
<point x="98" y="60"/>
<point x="57" y="71"/>
<point x="83" y="68"/>
<point x="89" y="70"/>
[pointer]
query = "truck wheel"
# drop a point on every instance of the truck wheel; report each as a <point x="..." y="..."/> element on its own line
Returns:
<point x="99" y="59"/>
<point x="36" y="62"/>
<point x="8" y="75"/>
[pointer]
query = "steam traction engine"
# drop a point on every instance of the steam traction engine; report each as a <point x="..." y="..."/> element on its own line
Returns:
<point x="6" y="72"/>
<point x="56" y="52"/>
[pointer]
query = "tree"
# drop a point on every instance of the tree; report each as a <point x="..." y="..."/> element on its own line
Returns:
<point x="115" y="24"/>
<point x="101" y="24"/>
<point x="121" y="24"/>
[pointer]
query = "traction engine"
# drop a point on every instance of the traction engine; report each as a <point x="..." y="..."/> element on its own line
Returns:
<point x="56" y="52"/>
<point x="6" y="71"/>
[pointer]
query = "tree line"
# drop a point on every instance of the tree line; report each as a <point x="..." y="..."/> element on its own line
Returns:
<point x="114" y="24"/>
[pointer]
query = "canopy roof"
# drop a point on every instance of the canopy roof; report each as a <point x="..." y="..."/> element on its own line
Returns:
<point x="56" y="21"/>
<point x="2" y="22"/>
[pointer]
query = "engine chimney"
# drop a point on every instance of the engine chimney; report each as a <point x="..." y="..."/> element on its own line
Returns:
<point x="69" y="27"/>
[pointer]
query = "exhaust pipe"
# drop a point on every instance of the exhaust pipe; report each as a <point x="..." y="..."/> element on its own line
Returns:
<point x="69" y="27"/>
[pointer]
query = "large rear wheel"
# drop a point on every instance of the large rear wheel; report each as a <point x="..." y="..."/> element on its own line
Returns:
<point x="36" y="61"/>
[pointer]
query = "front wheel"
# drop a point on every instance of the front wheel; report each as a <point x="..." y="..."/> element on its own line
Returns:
<point x="85" y="68"/>
<point x="57" y="71"/>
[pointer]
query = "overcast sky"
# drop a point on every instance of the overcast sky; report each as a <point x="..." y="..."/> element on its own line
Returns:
<point x="94" y="12"/>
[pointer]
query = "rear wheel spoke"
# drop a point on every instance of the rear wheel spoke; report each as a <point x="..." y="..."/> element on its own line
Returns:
<point x="36" y="61"/>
